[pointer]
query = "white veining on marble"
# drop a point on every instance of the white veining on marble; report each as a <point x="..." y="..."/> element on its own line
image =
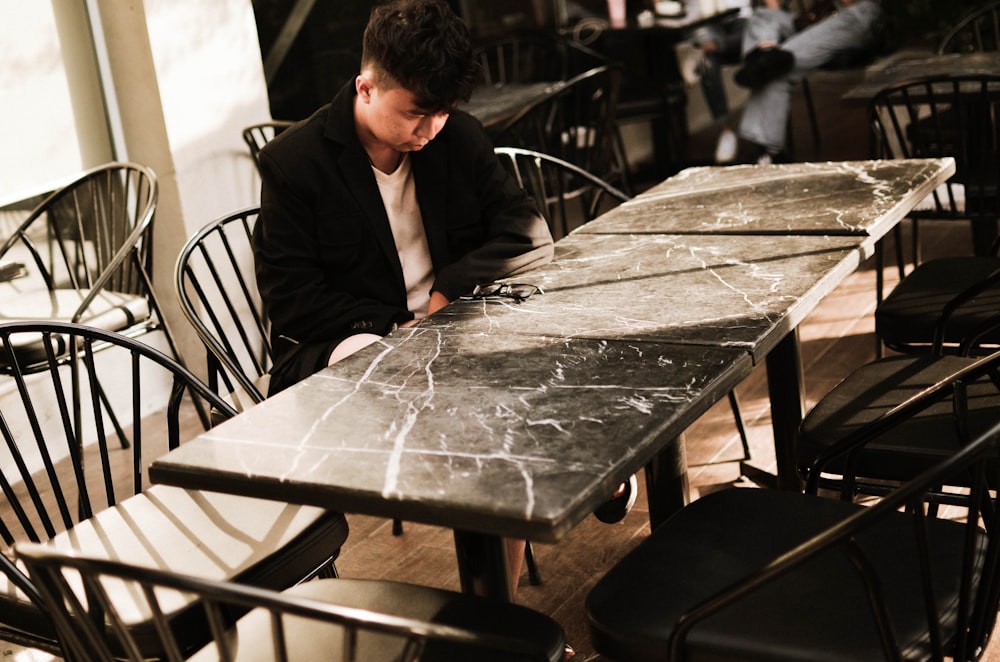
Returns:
<point x="413" y="412"/>
<point x="758" y="272"/>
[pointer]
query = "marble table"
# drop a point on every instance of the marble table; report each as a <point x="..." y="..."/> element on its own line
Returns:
<point x="896" y="71"/>
<point x="743" y="292"/>
<point x="490" y="434"/>
<point x="497" y="418"/>
<point x="863" y="199"/>
<point x="851" y="197"/>
<point x="494" y="105"/>
<point x="746" y="292"/>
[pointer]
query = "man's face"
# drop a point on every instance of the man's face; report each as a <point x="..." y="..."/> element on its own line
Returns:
<point x="396" y="121"/>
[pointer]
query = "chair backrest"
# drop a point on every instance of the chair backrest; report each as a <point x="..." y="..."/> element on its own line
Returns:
<point x="566" y="195"/>
<point x="977" y="32"/>
<point x="285" y="626"/>
<point x="59" y="459"/>
<point x="217" y="289"/>
<point x="93" y="234"/>
<point x="575" y="122"/>
<point x="77" y="435"/>
<point x="258" y="135"/>
<point x="534" y="56"/>
<point x="956" y="116"/>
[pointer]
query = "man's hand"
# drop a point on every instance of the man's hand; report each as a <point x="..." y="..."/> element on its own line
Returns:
<point x="438" y="301"/>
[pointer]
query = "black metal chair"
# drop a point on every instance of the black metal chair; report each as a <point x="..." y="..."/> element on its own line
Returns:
<point x="765" y="574"/>
<point x="67" y="485"/>
<point x="936" y="117"/>
<point x="108" y="610"/>
<point x="979" y="31"/>
<point x="566" y="195"/>
<point x="912" y="446"/>
<point x="258" y="135"/>
<point x="575" y="122"/>
<point x="534" y="56"/>
<point x="217" y="290"/>
<point x="86" y="251"/>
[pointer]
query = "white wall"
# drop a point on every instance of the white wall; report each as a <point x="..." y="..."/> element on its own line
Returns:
<point x="188" y="77"/>
<point x="38" y="141"/>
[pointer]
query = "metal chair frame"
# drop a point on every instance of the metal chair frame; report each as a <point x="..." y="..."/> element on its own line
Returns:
<point x="63" y="470"/>
<point x="940" y="116"/>
<point x="979" y="31"/>
<point x="90" y="241"/>
<point x="217" y="290"/>
<point x="576" y="122"/>
<point x="257" y="135"/>
<point x="955" y="623"/>
<point x="60" y="577"/>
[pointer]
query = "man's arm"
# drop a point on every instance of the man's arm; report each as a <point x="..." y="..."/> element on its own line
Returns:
<point x="516" y="237"/>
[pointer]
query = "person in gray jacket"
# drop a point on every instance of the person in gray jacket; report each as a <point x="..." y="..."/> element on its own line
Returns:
<point x="778" y="53"/>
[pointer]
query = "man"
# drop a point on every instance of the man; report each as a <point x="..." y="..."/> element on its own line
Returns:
<point x="776" y="57"/>
<point x="388" y="202"/>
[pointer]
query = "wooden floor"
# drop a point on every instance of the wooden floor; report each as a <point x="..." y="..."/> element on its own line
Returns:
<point x="836" y="337"/>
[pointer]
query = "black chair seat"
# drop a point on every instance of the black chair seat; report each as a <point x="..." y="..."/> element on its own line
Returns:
<point x="914" y="445"/>
<point x="815" y="611"/>
<point x="109" y="311"/>
<point x="910" y="313"/>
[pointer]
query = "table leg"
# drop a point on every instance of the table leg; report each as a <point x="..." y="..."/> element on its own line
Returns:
<point x="785" y="388"/>
<point x="667" y="489"/>
<point x="483" y="566"/>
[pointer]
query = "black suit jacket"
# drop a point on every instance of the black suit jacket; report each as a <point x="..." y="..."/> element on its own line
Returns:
<point x="326" y="262"/>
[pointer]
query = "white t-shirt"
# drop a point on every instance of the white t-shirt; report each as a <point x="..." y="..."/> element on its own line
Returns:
<point x="399" y="196"/>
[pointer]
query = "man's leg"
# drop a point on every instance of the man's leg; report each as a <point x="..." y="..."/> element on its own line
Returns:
<point x="851" y="28"/>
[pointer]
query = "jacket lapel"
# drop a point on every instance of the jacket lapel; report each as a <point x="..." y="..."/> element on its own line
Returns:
<point x="430" y="173"/>
<point x="356" y="170"/>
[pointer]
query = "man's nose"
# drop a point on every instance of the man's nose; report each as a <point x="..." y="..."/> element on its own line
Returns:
<point x="431" y="125"/>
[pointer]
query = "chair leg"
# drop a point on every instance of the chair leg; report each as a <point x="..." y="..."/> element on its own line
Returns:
<point x="397" y="527"/>
<point x="328" y="571"/>
<point x="735" y="406"/>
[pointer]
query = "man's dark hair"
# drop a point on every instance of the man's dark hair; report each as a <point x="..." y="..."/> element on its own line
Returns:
<point x="424" y="47"/>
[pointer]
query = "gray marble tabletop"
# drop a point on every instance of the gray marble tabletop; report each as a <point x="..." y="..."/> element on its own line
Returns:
<point x="493" y="105"/>
<point x="903" y="69"/>
<point x="738" y="291"/>
<point x="486" y="432"/>
<point x="852" y="197"/>
<point x="512" y="419"/>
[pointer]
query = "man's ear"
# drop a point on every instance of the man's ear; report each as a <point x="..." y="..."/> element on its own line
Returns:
<point x="364" y="86"/>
